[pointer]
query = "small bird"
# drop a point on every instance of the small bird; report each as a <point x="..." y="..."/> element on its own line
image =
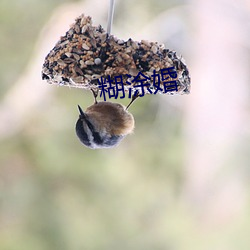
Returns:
<point x="104" y="124"/>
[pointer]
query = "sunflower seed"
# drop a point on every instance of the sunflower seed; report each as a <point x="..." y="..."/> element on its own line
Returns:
<point x="85" y="46"/>
<point x="88" y="62"/>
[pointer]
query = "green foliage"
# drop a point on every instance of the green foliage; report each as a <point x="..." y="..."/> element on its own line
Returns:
<point x="20" y="24"/>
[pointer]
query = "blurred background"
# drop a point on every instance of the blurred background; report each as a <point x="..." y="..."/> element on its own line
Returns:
<point x="180" y="182"/>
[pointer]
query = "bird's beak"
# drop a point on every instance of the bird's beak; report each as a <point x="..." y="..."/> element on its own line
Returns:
<point x="82" y="115"/>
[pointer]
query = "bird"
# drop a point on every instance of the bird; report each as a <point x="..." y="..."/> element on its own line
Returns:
<point x="104" y="124"/>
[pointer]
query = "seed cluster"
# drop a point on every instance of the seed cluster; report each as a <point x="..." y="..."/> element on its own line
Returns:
<point x="87" y="53"/>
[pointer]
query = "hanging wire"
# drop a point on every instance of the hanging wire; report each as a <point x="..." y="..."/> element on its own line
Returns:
<point x="110" y="15"/>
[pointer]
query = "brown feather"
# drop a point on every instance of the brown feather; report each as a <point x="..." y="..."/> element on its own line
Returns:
<point x="111" y="117"/>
